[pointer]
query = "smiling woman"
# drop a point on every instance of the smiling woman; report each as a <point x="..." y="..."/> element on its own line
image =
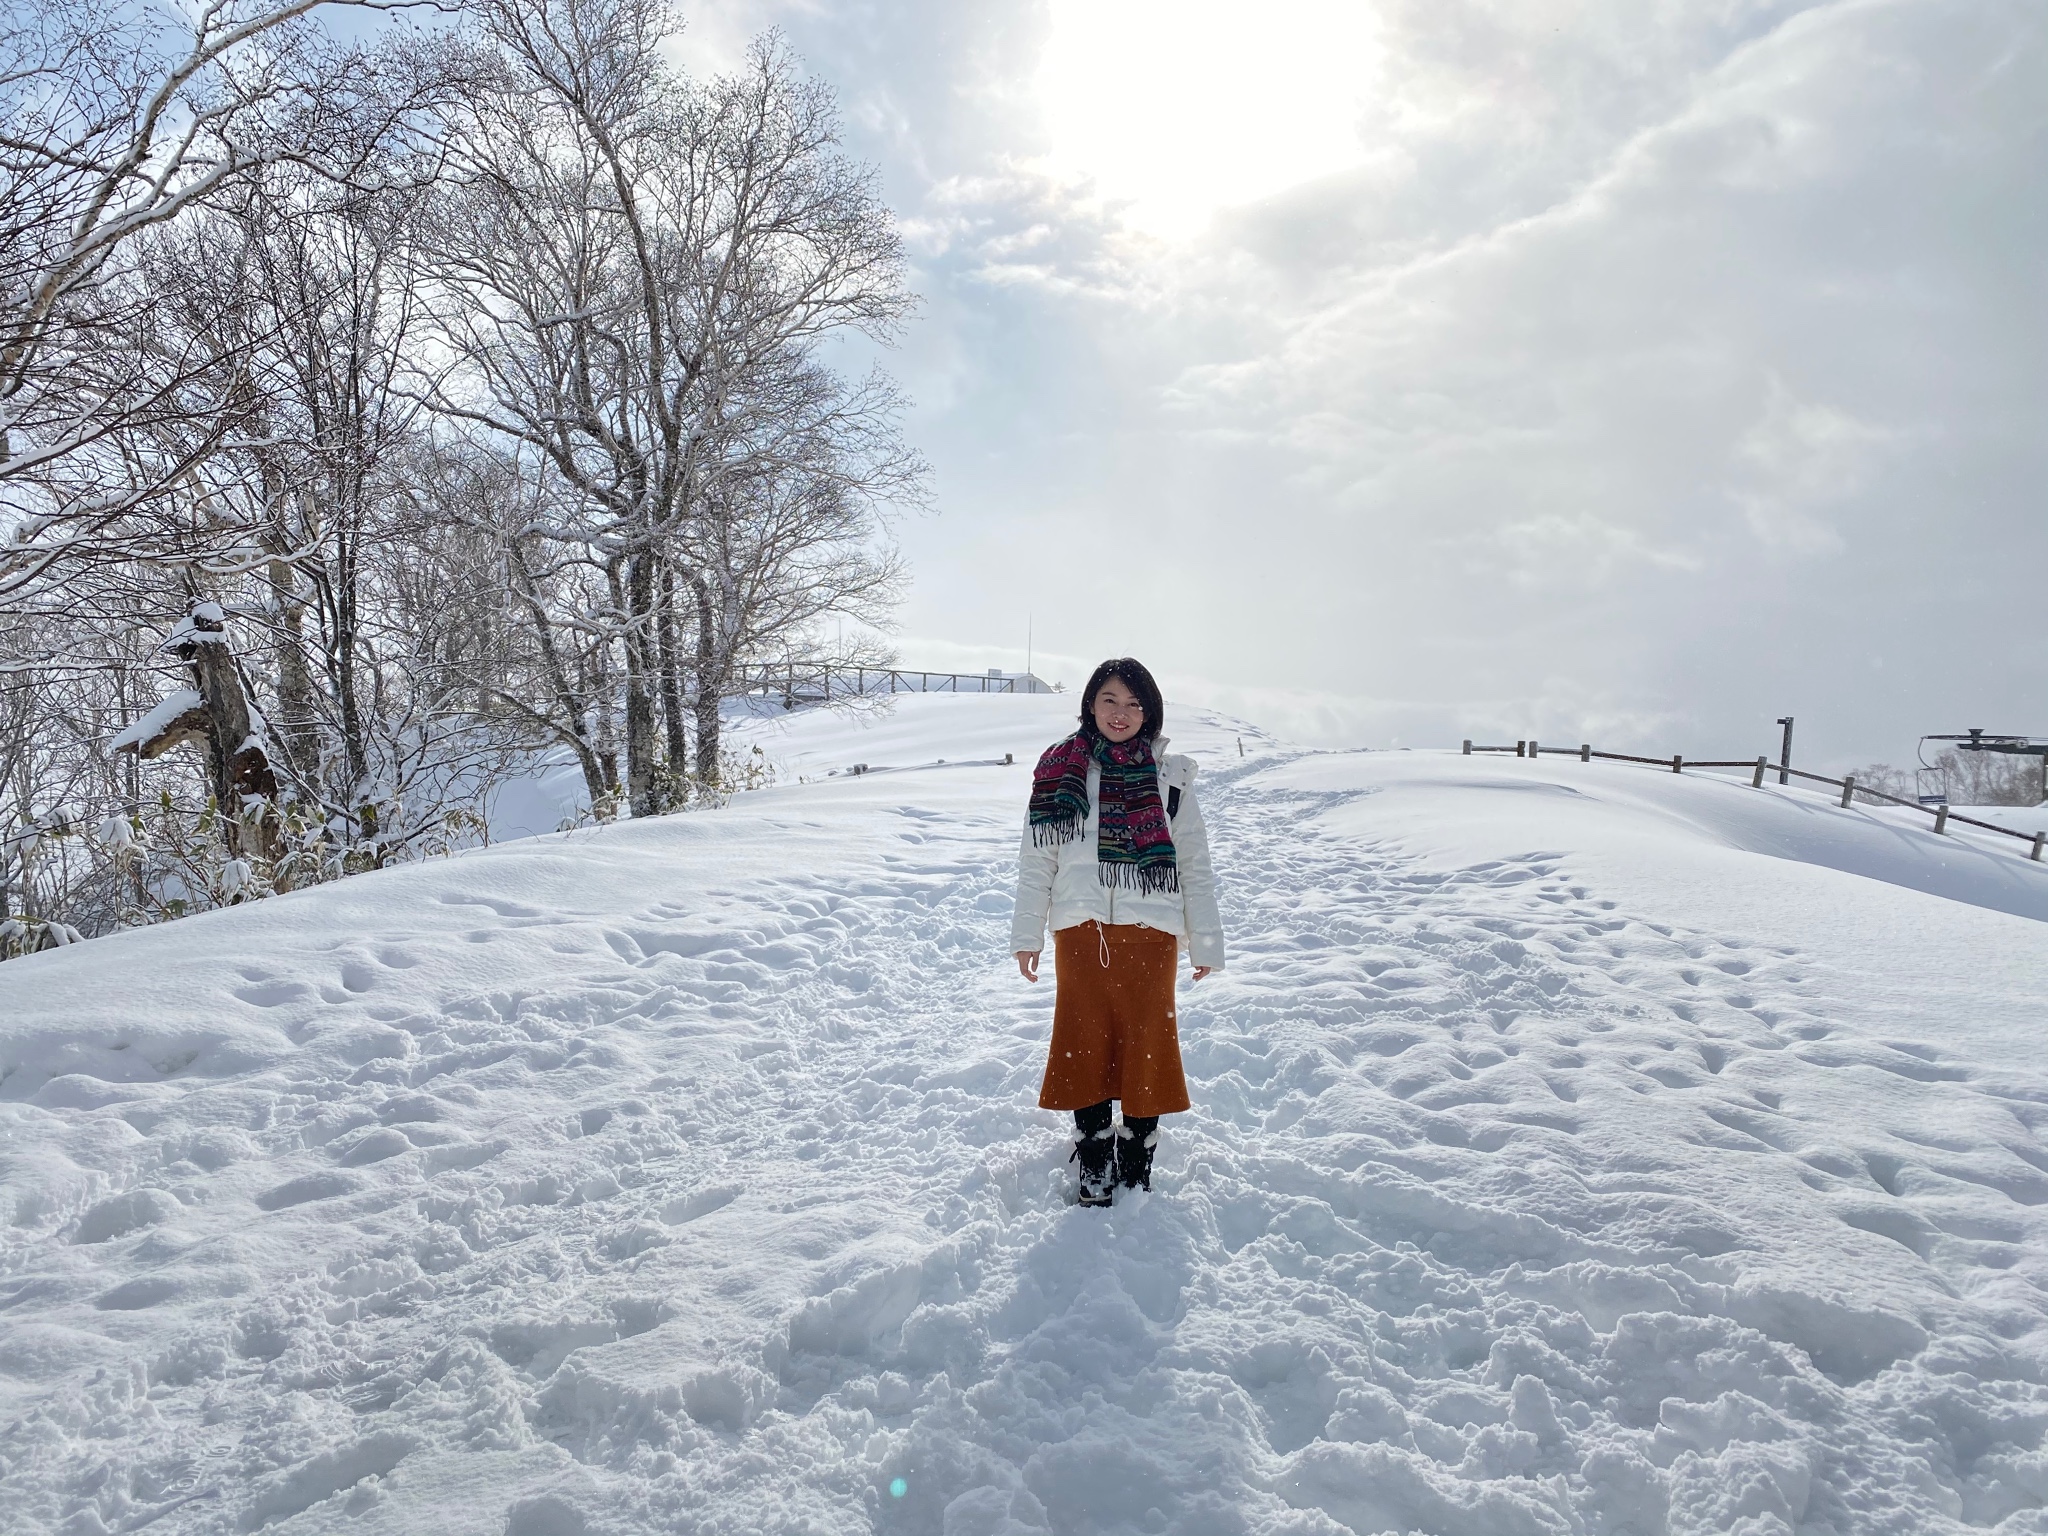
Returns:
<point x="1182" y="107"/>
<point x="1116" y="859"/>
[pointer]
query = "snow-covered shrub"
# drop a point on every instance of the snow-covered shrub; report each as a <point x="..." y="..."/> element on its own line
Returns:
<point x="29" y="935"/>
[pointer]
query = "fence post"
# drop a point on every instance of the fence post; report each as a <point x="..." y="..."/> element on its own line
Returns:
<point x="1678" y="765"/>
<point x="1518" y="748"/>
<point x="2039" y="839"/>
<point x="1940" y="819"/>
<point x="1757" y="780"/>
<point x="1585" y="751"/>
<point x="1468" y="746"/>
<point x="1848" y="790"/>
<point x="1532" y="749"/>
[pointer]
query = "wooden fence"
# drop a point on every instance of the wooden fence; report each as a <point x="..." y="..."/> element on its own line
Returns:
<point x="1760" y="766"/>
<point x="821" y="682"/>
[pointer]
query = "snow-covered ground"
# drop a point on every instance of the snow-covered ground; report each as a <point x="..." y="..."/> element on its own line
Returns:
<point x="2028" y="819"/>
<point x="1577" y="1148"/>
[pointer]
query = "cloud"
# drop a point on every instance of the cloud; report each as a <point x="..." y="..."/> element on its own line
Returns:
<point x="1646" y="371"/>
<point x="1714" y="402"/>
<point x="1802" y="460"/>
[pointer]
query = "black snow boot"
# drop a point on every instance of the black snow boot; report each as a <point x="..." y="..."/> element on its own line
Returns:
<point x="1095" y="1151"/>
<point x="1134" y="1143"/>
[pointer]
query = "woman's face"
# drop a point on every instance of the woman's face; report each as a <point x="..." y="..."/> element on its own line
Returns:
<point x="1118" y="714"/>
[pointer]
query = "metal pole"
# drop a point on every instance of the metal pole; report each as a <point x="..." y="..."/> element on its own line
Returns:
<point x="1785" y="752"/>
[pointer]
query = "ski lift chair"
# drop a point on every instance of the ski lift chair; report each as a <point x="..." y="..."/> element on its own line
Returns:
<point x="1980" y="740"/>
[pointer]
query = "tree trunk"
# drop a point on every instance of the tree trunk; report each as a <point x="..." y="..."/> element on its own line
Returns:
<point x="355" y="753"/>
<point x="643" y="790"/>
<point x="594" y="668"/>
<point x="570" y="700"/>
<point x="236" y="760"/>
<point x="672" y="714"/>
<point x="710" y="685"/>
<point x="298" y="714"/>
<point x="298" y="720"/>
<point x="131" y="803"/>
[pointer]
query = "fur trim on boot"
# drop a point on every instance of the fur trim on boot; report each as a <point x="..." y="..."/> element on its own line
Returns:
<point x="1135" y="1143"/>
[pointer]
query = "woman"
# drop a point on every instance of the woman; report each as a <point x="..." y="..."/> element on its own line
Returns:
<point x="1114" y="854"/>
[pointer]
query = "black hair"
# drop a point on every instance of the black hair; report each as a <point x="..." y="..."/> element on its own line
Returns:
<point x="1131" y="672"/>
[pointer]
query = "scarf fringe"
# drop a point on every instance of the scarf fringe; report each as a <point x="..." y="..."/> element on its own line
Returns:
<point x="1156" y="881"/>
<point x="1047" y="834"/>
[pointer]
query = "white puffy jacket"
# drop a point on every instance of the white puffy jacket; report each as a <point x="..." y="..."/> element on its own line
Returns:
<point x="1058" y="883"/>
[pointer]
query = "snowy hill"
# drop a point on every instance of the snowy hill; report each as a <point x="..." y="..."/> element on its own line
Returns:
<point x="1576" y="1149"/>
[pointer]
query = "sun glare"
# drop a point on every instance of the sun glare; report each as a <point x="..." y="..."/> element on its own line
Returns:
<point x="1183" y="107"/>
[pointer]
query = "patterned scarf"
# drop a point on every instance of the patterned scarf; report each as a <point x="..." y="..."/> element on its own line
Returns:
<point x="1134" y="845"/>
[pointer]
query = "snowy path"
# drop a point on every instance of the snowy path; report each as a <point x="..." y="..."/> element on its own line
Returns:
<point x="686" y="1177"/>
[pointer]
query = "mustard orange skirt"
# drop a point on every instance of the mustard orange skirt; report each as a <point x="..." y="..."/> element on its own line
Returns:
<point x="1115" y="1029"/>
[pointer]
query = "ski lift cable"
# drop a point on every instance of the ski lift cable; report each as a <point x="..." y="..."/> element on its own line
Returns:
<point x="1981" y="740"/>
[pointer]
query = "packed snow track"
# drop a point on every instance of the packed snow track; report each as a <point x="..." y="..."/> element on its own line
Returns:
<point x="1575" y="1149"/>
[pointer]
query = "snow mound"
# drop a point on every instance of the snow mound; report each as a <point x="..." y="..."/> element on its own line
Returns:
<point x="1575" y="1149"/>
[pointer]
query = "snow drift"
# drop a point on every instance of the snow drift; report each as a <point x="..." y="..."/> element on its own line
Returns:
<point x="1576" y="1149"/>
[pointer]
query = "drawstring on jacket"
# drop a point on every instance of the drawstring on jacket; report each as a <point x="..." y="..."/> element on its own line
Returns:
<point x="1102" y="938"/>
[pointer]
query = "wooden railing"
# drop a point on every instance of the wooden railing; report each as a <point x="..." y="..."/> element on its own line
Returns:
<point x="821" y="682"/>
<point x="1760" y="766"/>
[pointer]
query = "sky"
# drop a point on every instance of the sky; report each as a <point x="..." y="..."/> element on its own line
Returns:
<point x="1398" y="371"/>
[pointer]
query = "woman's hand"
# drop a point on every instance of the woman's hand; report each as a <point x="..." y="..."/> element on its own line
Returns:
<point x="1202" y="970"/>
<point x="1027" y="963"/>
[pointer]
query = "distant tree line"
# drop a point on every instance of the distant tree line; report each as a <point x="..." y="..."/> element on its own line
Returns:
<point x="1967" y="778"/>
<point x="383" y="405"/>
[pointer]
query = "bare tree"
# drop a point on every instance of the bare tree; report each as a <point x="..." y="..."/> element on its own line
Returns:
<point x="544" y="667"/>
<point x="345" y="466"/>
<point x="110" y="128"/>
<point x="786" y="534"/>
<point x="302" y="292"/>
<point x="643" y="263"/>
